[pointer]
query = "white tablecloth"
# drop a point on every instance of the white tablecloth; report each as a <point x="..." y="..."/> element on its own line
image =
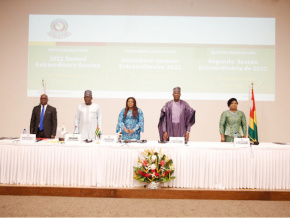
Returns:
<point x="198" y="165"/>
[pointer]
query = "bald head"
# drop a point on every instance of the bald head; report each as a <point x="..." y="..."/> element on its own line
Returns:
<point x="43" y="99"/>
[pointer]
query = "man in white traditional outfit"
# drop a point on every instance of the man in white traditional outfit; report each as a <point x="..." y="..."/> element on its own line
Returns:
<point x="88" y="118"/>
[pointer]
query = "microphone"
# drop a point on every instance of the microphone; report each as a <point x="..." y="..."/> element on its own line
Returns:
<point x="120" y="137"/>
<point x="75" y="130"/>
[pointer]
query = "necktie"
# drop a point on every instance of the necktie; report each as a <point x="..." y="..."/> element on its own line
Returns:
<point x="41" y="119"/>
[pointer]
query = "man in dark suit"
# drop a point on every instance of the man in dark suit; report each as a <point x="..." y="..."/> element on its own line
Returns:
<point x="43" y="121"/>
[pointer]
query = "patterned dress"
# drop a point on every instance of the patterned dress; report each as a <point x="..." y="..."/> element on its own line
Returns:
<point x="231" y="123"/>
<point x="130" y="122"/>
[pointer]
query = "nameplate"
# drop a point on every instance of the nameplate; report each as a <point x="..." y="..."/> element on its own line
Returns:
<point x="27" y="138"/>
<point x="242" y="142"/>
<point x="109" y="139"/>
<point x="74" y="139"/>
<point x="177" y="140"/>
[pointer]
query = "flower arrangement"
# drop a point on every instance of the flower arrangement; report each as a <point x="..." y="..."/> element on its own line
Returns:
<point x="154" y="166"/>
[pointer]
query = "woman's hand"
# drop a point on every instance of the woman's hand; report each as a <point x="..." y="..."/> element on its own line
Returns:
<point x="130" y="131"/>
<point x="126" y="130"/>
<point x="223" y="139"/>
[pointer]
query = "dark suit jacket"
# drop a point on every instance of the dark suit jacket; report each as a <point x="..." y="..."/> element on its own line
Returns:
<point x="49" y="121"/>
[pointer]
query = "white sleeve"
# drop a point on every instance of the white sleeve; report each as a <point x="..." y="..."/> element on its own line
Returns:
<point x="77" y="121"/>
<point x="99" y="114"/>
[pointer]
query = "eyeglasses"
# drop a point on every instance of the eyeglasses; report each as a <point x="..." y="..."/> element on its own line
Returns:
<point x="43" y="98"/>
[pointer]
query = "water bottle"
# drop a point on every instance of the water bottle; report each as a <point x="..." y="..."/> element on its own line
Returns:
<point x="24" y="131"/>
<point x="236" y="136"/>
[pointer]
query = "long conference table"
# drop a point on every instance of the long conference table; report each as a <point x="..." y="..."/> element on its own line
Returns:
<point x="207" y="165"/>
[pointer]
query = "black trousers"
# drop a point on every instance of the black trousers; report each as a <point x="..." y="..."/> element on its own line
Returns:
<point x="40" y="134"/>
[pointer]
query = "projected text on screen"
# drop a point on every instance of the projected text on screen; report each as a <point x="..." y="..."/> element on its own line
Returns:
<point x="210" y="58"/>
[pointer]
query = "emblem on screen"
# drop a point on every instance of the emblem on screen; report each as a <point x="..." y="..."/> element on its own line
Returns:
<point x="59" y="29"/>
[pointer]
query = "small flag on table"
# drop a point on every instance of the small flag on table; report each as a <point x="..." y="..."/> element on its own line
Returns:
<point x="98" y="131"/>
<point x="253" y="129"/>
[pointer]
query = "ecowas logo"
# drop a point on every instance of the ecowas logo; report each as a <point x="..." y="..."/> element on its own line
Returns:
<point x="59" y="29"/>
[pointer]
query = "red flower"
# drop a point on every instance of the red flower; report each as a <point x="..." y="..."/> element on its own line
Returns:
<point x="167" y="172"/>
<point x="157" y="174"/>
<point x="152" y="171"/>
<point x="141" y="173"/>
<point x="145" y="163"/>
<point x="147" y="175"/>
<point x="162" y="163"/>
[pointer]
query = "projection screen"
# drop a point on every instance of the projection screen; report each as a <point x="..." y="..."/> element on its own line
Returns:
<point x="211" y="58"/>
